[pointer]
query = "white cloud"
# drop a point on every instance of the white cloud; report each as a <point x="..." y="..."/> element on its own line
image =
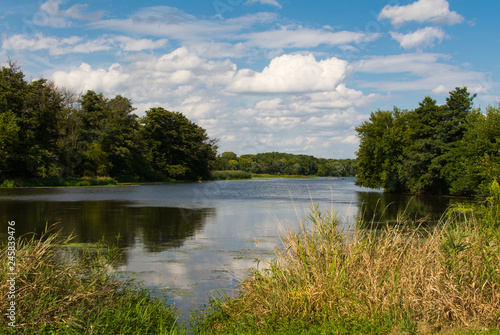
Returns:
<point x="163" y="21"/>
<point x="337" y="119"/>
<point x="229" y="36"/>
<point x="423" y="71"/>
<point x="292" y="73"/>
<point x="74" y="44"/>
<point x="421" y="38"/>
<point x="57" y="16"/>
<point x="84" y="78"/>
<point x="132" y="44"/>
<point x="435" y="11"/>
<point x="306" y="38"/>
<point x="264" y="2"/>
<point x="351" y="139"/>
<point x="170" y="77"/>
<point x="341" y="97"/>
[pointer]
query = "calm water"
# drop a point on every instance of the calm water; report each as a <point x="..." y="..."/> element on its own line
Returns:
<point x="195" y="239"/>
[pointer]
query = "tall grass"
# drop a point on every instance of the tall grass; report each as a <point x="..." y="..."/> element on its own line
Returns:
<point x="60" y="291"/>
<point x="230" y="175"/>
<point x="393" y="280"/>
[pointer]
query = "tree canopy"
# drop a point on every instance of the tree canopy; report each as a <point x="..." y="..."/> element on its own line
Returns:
<point x="277" y="163"/>
<point x="46" y="131"/>
<point x="439" y="149"/>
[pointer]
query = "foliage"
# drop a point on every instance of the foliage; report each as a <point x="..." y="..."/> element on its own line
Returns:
<point x="275" y="163"/>
<point x="69" y="290"/>
<point x="438" y="149"/>
<point x="178" y="148"/>
<point x="231" y="175"/>
<point x="50" y="132"/>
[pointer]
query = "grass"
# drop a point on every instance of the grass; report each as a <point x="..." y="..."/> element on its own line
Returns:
<point x="63" y="290"/>
<point x="265" y="175"/>
<point x="56" y="181"/>
<point x="390" y="281"/>
<point x="231" y="175"/>
<point x="393" y="280"/>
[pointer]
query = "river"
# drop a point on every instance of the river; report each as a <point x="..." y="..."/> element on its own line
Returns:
<point x="198" y="238"/>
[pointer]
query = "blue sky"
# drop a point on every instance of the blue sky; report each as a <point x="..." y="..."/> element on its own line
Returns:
<point x="262" y="75"/>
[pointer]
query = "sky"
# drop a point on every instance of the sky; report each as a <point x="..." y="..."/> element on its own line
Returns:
<point x="262" y="75"/>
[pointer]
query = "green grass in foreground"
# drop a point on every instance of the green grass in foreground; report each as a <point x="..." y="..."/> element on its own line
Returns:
<point x="59" y="294"/>
<point x="392" y="281"/>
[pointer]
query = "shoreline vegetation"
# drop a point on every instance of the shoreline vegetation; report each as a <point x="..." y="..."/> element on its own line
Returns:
<point x="398" y="279"/>
<point x="393" y="280"/>
<point x="131" y="180"/>
<point x="71" y="290"/>
<point x="451" y="149"/>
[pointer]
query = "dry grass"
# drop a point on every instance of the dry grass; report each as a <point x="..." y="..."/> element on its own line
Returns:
<point x="71" y="291"/>
<point x="391" y="280"/>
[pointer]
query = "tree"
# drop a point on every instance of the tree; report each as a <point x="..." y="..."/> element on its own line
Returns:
<point x="477" y="156"/>
<point x="419" y="170"/>
<point x="459" y="106"/>
<point x="121" y="138"/>
<point x="372" y="152"/>
<point x="176" y="147"/>
<point x="39" y="121"/>
<point x="8" y="141"/>
<point x="34" y="109"/>
<point x="419" y="151"/>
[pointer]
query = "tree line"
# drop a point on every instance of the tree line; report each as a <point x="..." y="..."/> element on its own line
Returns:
<point x="440" y="149"/>
<point x="47" y="131"/>
<point x="277" y="163"/>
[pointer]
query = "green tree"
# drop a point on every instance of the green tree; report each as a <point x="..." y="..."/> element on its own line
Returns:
<point x="40" y="121"/>
<point x="459" y="106"/>
<point x="373" y="146"/>
<point x="121" y="139"/>
<point x="417" y="151"/>
<point x="176" y="147"/>
<point x="419" y="170"/>
<point x="224" y="161"/>
<point x="478" y="154"/>
<point x="94" y="117"/>
<point x="8" y="141"/>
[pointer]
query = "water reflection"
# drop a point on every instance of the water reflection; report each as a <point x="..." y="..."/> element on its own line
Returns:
<point x="197" y="238"/>
<point x="387" y="208"/>
<point x="156" y="228"/>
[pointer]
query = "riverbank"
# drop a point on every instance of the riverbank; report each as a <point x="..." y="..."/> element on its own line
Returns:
<point x="128" y="180"/>
<point x="71" y="290"/>
<point x="59" y="182"/>
<point x="391" y="281"/>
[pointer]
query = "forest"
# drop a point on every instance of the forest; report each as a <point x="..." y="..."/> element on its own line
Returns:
<point x="51" y="132"/>
<point x="48" y="132"/>
<point x="277" y="163"/>
<point x="449" y="149"/>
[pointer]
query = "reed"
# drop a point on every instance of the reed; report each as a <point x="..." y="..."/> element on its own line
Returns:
<point x="230" y="175"/>
<point x="392" y="280"/>
<point x="60" y="290"/>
